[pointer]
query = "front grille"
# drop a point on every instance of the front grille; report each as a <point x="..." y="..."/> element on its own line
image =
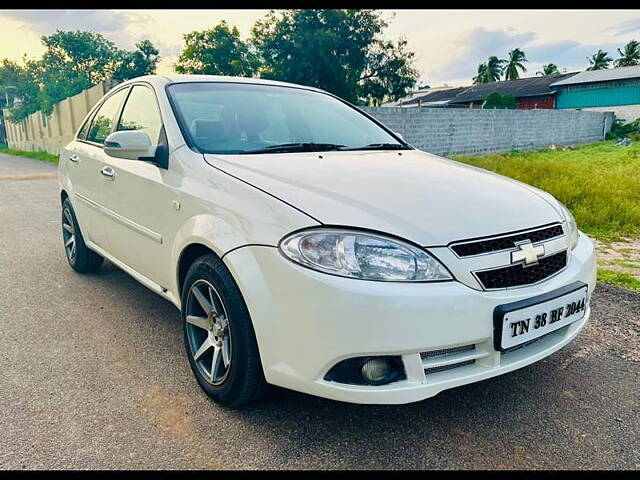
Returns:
<point x="443" y="368"/>
<point x="494" y="244"/>
<point x="519" y="275"/>
<point x="446" y="351"/>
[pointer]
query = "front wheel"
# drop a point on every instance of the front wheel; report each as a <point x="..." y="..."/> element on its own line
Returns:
<point x="219" y="336"/>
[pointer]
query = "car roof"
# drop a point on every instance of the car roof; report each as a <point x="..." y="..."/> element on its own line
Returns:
<point x="161" y="80"/>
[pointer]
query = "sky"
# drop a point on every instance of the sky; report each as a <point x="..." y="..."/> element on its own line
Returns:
<point x="449" y="44"/>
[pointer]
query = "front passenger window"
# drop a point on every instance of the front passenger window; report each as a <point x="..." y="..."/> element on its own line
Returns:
<point x="141" y="113"/>
<point x="104" y="118"/>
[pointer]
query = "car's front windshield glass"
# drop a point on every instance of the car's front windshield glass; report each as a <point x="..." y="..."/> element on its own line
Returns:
<point x="237" y="118"/>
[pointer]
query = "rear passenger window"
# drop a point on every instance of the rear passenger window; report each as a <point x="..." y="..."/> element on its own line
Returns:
<point x="82" y="134"/>
<point x="104" y="118"/>
<point x="141" y="113"/>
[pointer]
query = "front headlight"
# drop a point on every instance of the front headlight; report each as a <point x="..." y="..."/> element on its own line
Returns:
<point x="570" y="226"/>
<point x="366" y="256"/>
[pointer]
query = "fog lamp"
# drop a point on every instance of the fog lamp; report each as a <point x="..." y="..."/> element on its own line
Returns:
<point x="377" y="370"/>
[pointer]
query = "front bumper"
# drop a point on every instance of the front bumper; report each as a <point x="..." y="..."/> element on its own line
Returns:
<point x="306" y="322"/>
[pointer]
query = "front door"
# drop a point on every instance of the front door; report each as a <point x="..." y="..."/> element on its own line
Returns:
<point x="138" y="200"/>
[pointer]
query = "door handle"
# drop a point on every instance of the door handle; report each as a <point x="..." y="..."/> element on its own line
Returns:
<point x="108" y="173"/>
<point x="74" y="158"/>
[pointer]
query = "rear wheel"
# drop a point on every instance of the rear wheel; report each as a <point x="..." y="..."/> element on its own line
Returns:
<point x="219" y="336"/>
<point x="78" y="255"/>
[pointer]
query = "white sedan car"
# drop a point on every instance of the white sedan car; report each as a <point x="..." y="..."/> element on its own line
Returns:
<point x="308" y="246"/>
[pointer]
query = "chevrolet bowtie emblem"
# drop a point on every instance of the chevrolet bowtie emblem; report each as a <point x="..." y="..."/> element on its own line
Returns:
<point x="527" y="253"/>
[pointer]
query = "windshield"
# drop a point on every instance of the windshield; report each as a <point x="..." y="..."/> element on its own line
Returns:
<point x="236" y="118"/>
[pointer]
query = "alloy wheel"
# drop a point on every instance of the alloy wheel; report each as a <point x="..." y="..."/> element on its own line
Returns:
<point x="208" y="332"/>
<point x="68" y="235"/>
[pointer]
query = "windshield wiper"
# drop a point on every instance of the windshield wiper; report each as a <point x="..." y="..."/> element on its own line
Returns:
<point x="379" y="146"/>
<point x="296" y="147"/>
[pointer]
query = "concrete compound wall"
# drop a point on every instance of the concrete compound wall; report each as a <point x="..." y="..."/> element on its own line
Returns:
<point x="49" y="133"/>
<point x="445" y="131"/>
<point x="628" y="113"/>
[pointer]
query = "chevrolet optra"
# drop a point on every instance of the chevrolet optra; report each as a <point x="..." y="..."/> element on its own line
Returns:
<point x="309" y="246"/>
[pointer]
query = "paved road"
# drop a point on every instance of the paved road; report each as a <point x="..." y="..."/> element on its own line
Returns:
<point x="93" y="375"/>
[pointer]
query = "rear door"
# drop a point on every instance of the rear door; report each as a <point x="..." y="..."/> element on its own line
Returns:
<point x="85" y="162"/>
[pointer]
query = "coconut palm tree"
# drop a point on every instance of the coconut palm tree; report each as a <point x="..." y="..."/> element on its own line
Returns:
<point x="514" y="63"/>
<point x="549" y="69"/>
<point x="495" y="67"/>
<point x="630" y="56"/>
<point x="481" y="75"/>
<point x="599" y="60"/>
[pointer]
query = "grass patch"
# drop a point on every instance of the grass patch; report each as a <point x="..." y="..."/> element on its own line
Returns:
<point x="44" y="156"/>
<point x="598" y="182"/>
<point x="618" y="279"/>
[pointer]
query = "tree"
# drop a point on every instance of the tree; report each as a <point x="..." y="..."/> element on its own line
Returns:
<point x="341" y="51"/>
<point x="599" y="60"/>
<point x="496" y="100"/>
<point x="217" y="51"/>
<point x="481" y="75"/>
<point x="74" y="61"/>
<point x="18" y="81"/>
<point x="514" y="63"/>
<point x="549" y="69"/>
<point x="142" y="61"/>
<point x="630" y="56"/>
<point x="495" y="67"/>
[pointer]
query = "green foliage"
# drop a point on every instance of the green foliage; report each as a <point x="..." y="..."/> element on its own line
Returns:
<point x="630" y="55"/>
<point x="599" y="183"/>
<point x="73" y="61"/>
<point x="490" y="71"/>
<point x="620" y="129"/>
<point x="19" y="81"/>
<point x="341" y="51"/>
<point x="548" y="69"/>
<point x="497" y="101"/>
<point x="217" y="51"/>
<point x="599" y="60"/>
<point x="619" y="279"/>
<point x="514" y="63"/>
<point x="40" y="155"/>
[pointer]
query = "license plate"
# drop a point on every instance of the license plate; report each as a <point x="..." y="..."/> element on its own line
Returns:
<point x="525" y="320"/>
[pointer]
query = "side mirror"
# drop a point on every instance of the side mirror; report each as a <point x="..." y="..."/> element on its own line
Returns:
<point x="130" y="145"/>
<point x="399" y="135"/>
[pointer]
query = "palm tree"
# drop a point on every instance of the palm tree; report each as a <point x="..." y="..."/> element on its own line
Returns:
<point x="494" y="68"/>
<point x="514" y="63"/>
<point x="481" y="76"/>
<point x="549" y="69"/>
<point x="599" y="60"/>
<point x="630" y="56"/>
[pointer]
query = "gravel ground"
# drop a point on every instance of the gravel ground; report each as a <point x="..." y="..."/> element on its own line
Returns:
<point x="93" y="375"/>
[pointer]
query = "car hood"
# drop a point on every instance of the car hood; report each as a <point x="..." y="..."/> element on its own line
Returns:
<point x="411" y="194"/>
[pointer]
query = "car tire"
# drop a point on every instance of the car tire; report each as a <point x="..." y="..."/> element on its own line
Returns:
<point x="226" y="327"/>
<point x="79" y="256"/>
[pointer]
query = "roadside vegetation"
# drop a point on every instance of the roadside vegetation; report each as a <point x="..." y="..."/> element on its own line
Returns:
<point x="619" y="279"/>
<point x="598" y="182"/>
<point x="44" y="156"/>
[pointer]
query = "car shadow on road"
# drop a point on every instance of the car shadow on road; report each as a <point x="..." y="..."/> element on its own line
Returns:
<point x="489" y="424"/>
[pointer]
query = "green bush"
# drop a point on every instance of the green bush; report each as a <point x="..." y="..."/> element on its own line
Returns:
<point x="620" y="129"/>
<point x="496" y="100"/>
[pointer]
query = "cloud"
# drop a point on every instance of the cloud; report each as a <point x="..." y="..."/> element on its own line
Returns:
<point x="46" y="22"/>
<point x="567" y="54"/>
<point x="629" y="26"/>
<point x="475" y="46"/>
